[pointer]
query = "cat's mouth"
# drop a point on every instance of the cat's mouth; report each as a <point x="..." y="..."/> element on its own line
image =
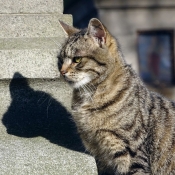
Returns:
<point x="71" y="82"/>
<point x="77" y="84"/>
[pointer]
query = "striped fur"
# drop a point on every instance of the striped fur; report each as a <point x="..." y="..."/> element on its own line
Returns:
<point x="128" y="129"/>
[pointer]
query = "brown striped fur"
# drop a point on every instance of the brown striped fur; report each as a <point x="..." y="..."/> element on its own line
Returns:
<point x="126" y="127"/>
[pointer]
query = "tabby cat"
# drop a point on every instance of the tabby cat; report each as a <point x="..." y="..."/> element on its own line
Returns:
<point x="127" y="128"/>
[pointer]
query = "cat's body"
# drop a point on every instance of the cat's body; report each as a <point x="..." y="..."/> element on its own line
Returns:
<point x="127" y="128"/>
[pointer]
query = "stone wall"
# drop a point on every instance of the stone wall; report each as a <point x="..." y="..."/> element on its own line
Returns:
<point x="37" y="134"/>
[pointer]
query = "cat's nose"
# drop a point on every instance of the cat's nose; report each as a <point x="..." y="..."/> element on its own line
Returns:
<point x="63" y="71"/>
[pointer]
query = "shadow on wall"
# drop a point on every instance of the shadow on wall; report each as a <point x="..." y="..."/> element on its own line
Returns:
<point x="27" y="116"/>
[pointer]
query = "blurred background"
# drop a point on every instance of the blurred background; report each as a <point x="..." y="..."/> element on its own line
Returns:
<point x="81" y="10"/>
<point x="145" y="30"/>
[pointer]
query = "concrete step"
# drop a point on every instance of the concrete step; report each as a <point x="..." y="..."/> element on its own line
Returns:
<point x="32" y="57"/>
<point x="32" y="25"/>
<point x="31" y="63"/>
<point x="37" y="134"/>
<point x="31" y="6"/>
<point x="31" y="43"/>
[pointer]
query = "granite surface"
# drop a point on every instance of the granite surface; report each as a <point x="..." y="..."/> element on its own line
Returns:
<point x="31" y="6"/>
<point x="32" y="25"/>
<point x="37" y="134"/>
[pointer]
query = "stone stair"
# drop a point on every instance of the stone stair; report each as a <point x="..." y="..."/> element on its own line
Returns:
<point x="37" y="134"/>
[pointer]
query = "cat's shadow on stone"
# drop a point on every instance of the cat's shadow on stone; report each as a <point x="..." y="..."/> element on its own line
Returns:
<point x="27" y="116"/>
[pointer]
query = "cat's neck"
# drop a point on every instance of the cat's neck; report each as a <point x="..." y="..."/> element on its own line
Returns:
<point x="116" y="78"/>
<point x="94" y="96"/>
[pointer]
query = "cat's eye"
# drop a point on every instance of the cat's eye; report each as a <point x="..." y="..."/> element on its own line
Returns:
<point x="77" y="59"/>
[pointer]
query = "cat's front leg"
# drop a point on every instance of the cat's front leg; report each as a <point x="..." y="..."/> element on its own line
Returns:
<point x="113" y="152"/>
<point x="103" y="171"/>
<point x="138" y="169"/>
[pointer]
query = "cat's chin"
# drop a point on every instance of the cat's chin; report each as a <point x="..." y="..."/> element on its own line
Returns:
<point x="80" y="83"/>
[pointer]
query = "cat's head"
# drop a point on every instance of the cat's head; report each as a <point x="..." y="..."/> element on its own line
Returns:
<point x="87" y="54"/>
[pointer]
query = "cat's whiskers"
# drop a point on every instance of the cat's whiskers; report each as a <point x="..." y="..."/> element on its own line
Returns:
<point x="93" y="87"/>
<point x="89" y="89"/>
<point x="87" y="93"/>
<point x="80" y="91"/>
<point x="85" y="90"/>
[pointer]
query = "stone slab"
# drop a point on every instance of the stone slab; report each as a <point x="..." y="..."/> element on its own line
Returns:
<point x="37" y="135"/>
<point x="33" y="63"/>
<point x="31" y="43"/>
<point x="33" y="57"/>
<point x="31" y="6"/>
<point x="32" y="25"/>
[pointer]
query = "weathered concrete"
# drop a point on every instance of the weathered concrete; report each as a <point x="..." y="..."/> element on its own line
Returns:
<point x="31" y="6"/>
<point x="32" y="25"/>
<point x="38" y="63"/>
<point x="37" y="134"/>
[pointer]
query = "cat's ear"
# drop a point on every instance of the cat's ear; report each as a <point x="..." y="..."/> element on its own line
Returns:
<point x="69" y="30"/>
<point x="97" y="30"/>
